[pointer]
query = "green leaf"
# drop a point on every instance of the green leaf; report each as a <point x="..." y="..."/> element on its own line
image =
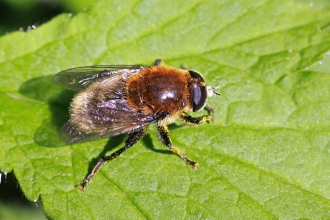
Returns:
<point x="265" y="156"/>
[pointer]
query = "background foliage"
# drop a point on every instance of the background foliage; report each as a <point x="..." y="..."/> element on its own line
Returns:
<point x="266" y="155"/>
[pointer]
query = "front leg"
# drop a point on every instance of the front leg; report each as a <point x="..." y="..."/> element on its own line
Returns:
<point x="190" y="120"/>
<point x="165" y="138"/>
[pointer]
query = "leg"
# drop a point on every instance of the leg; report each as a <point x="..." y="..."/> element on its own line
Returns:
<point x="211" y="111"/>
<point x="132" y="139"/>
<point x="189" y="120"/>
<point x="159" y="62"/>
<point x="165" y="138"/>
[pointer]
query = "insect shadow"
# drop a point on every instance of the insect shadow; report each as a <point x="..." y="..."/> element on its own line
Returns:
<point x="147" y="141"/>
<point x="41" y="89"/>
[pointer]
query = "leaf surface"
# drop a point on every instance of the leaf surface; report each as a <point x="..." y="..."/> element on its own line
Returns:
<point x="266" y="155"/>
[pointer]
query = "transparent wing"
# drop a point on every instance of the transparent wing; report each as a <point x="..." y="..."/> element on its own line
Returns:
<point x="80" y="77"/>
<point x="127" y="122"/>
<point x="71" y="134"/>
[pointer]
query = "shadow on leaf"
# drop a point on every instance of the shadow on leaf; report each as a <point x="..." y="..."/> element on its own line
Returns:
<point x="43" y="89"/>
<point x="148" y="143"/>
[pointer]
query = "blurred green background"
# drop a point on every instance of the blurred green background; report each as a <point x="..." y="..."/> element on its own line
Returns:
<point x="24" y="15"/>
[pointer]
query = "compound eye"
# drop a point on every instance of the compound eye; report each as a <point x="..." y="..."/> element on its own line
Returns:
<point x="198" y="98"/>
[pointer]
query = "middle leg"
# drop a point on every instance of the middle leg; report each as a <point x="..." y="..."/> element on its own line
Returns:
<point x="165" y="138"/>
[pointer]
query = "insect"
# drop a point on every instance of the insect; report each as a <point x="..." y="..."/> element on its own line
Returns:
<point x="125" y="99"/>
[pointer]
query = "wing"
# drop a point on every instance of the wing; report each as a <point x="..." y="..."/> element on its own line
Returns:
<point x="71" y="132"/>
<point x="79" y="78"/>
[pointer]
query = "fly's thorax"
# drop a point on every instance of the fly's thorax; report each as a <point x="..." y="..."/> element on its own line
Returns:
<point x="159" y="88"/>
